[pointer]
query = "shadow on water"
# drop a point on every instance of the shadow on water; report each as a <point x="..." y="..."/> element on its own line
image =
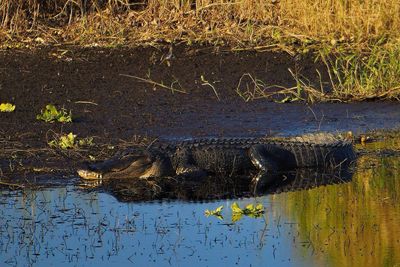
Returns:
<point x="347" y="219"/>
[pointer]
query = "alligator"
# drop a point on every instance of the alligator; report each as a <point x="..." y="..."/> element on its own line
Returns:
<point x="227" y="156"/>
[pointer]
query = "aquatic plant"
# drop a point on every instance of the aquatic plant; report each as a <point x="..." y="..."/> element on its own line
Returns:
<point x="250" y="210"/>
<point x="51" y="114"/>
<point x="216" y="212"/>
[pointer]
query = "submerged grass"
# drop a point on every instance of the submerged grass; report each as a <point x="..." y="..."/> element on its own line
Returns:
<point x="357" y="40"/>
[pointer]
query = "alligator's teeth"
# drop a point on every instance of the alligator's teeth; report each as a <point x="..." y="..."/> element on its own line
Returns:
<point x="85" y="174"/>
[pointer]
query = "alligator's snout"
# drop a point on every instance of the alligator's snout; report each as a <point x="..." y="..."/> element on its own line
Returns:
<point x="89" y="175"/>
<point x="130" y="165"/>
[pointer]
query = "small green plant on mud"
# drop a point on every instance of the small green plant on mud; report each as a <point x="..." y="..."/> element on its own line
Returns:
<point x="69" y="141"/>
<point x="88" y="141"/>
<point x="216" y="212"/>
<point x="7" y="107"/>
<point x="251" y="210"/>
<point x="51" y="114"/>
<point x="64" y="141"/>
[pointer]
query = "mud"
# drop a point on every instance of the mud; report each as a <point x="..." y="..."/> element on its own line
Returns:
<point x="117" y="110"/>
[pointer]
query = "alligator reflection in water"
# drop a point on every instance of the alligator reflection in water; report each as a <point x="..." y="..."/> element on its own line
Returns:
<point x="217" y="187"/>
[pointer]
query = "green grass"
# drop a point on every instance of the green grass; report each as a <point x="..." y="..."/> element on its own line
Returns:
<point x="363" y="75"/>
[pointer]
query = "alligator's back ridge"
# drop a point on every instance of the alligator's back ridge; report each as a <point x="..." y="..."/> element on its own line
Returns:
<point x="227" y="156"/>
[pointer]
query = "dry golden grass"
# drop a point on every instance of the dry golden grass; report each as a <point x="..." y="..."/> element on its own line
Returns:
<point x="240" y="23"/>
<point x="358" y="40"/>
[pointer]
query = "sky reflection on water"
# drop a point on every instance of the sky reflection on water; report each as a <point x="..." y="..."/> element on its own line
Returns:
<point x="65" y="227"/>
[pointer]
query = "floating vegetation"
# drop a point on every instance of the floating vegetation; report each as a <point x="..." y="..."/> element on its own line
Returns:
<point x="250" y="210"/>
<point x="51" y="114"/>
<point x="216" y="212"/>
<point x="7" y="107"/>
<point x="69" y="141"/>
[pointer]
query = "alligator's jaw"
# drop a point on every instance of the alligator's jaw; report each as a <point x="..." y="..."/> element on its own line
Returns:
<point x="154" y="169"/>
<point x="89" y="175"/>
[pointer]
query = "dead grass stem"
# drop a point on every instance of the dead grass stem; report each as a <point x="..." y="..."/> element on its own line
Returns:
<point x="159" y="84"/>
<point x="237" y="22"/>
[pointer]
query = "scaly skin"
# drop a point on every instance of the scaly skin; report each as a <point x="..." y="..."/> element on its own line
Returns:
<point x="227" y="156"/>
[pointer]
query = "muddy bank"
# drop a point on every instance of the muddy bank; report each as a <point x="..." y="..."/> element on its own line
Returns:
<point x="116" y="109"/>
<point x="111" y="106"/>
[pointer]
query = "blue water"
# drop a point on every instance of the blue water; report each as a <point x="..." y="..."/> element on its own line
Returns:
<point x="69" y="227"/>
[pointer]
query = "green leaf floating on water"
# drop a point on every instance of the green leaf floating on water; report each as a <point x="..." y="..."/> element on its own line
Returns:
<point x="216" y="212"/>
<point x="7" y="107"/>
<point x="254" y="211"/>
<point x="250" y="210"/>
<point x="51" y="114"/>
<point x="235" y="208"/>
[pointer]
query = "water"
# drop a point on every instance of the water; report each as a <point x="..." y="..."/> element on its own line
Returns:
<point x="349" y="224"/>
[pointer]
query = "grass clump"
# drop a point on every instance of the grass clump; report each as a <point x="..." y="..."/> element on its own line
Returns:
<point x="69" y="141"/>
<point x="7" y="107"/>
<point x="370" y="73"/>
<point x="362" y="75"/>
<point x="51" y="114"/>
